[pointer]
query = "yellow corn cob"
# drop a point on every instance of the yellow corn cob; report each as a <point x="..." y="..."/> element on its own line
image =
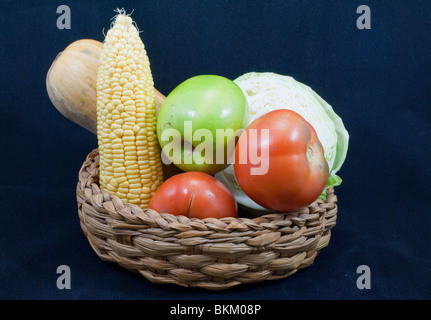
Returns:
<point x="130" y="164"/>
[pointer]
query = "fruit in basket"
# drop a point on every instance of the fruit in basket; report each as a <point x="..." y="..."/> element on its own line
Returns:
<point x="200" y="121"/>
<point x="71" y="83"/>
<point x="130" y="165"/>
<point x="267" y="91"/>
<point x="195" y="195"/>
<point x="292" y="170"/>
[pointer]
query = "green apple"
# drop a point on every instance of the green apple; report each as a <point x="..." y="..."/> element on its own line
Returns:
<point x="199" y="123"/>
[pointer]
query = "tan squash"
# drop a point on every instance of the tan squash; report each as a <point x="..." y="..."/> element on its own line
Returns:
<point x="71" y="83"/>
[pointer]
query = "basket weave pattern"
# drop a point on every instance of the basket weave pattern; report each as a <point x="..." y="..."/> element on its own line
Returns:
<point x="214" y="254"/>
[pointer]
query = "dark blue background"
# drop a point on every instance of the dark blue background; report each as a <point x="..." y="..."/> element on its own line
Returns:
<point x="377" y="80"/>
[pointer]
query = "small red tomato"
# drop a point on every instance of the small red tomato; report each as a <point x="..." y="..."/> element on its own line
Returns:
<point x="195" y="195"/>
<point x="280" y="162"/>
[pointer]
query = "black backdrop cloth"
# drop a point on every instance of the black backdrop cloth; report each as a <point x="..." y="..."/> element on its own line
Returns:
<point x="377" y="80"/>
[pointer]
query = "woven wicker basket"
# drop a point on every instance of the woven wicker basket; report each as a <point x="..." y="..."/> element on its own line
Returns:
<point x="214" y="254"/>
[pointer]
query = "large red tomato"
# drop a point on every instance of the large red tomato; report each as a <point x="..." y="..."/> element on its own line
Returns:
<point x="196" y="195"/>
<point x="285" y="169"/>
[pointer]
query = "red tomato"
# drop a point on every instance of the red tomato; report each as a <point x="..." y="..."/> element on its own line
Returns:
<point x="196" y="195"/>
<point x="297" y="170"/>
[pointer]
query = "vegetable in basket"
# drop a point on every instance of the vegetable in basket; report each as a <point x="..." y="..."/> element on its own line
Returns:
<point x="199" y="121"/>
<point x="269" y="91"/>
<point x="196" y="195"/>
<point x="292" y="170"/>
<point x="130" y="165"/>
